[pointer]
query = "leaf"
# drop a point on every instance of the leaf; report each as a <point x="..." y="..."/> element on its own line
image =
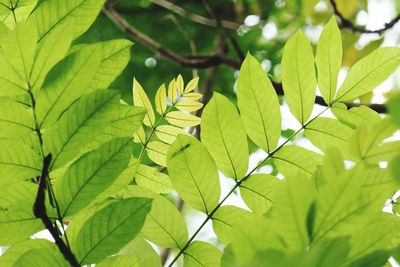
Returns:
<point x="326" y="133"/>
<point x="18" y="48"/>
<point x="168" y="133"/>
<point x="223" y="133"/>
<point x="140" y="99"/>
<point x="161" y="100"/>
<point x="18" y="161"/>
<point x="179" y="84"/>
<point x="15" y="119"/>
<point x="120" y="260"/>
<point x="193" y="173"/>
<point x="164" y="225"/>
<point x="92" y="240"/>
<point x="192" y="96"/>
<point x="191" y="86"/>
<point x="35" y="253"/>
<point x="258" y="105"/>
<point x="17" y="221"/>
<point x="369" y="72"/>
<point x="329" y="59"/>
<point x="51" y="50"/>
<point x="293" y="160"/>
<point x="157" y="152"/>
<point x="86" y="118"/>
<point x="139" y="248"/>
<point x="258" y="192"/>
<point x="181" y="119"/>
<point x="225" y="219"/>
<point x="59" y="89"/>
<point x="356" y="116"/>
<point x="14" y="11"/>
<point x="289" y="216"/>
<point x="189" y="105"/>
<point x="201" y="253"/>
<point x="50" y="14"/>
<point x="91" y="174"/>
<point x="172" y="91"/>
<point x="153" y="180"/>
<point x="298" y="76"/>
<point x="115" y="55"/>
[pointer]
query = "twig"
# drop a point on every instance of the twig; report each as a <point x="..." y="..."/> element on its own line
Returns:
<point x="201" y="61"/>
<point x="39" y="210"/>
<point x="344" y="23"/>
<point x="230" y="25"/>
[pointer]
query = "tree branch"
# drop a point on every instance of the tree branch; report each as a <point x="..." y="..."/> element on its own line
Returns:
<point x="229" y="25"/>
<point x="200" y="61"/>
<point x="347" y="24"/>
<point x="39" y="210"/>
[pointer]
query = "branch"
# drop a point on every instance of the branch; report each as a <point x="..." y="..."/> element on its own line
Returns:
<point x="200" y="61"/>
<point x="39" y="210"/>
<point x="347" y="24"/>
<point x="229" y="25"/>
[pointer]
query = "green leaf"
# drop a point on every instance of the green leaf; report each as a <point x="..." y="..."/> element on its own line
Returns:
<point x="161" y="100"/>
<point x="289" y="216"/>
<point x="298" y="76"/>
<point x="17" y="221"/>
<point x="201" y="253"/>
<point x="14" y="11"/>
<point x="80" y="124"/>
<point x="91" y="174"/>
<point x="18" y="48"/>
<point x="326" y="133"/>
<point x="35" y="253"/>
<point x="120" y="260"/>
<point x="18" y="161"/>
<point x="92" y="240"/>
<point x="369" y="72"/>
<point x="157" y="152"/>
<point x="225" y="220"/>
<point x="258" y="105"/>
<point x="181" y="119"/>
<point x="258" y="192"/>
<point x="115" y="55"/>
<point x="189" y="105"/>
<point x="193" y="173"/>
<point x="329" y="59"/>
<point x="168" y="133"/>
<point x="164" y="225"/>
<point x="50" y="14"/>
<point x="15" y="119"/>
<point x="51" y="50"/>
<point x="223" y="133"/>
<point x="59" y="89"/>
<point x="153" y="180"/>
<point x="139" y="248"/>
<point x="356" y="116"/>
<point x="292" y="160"/>
<point x="140" y="99"/>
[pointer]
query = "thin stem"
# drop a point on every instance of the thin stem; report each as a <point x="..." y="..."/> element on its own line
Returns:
<point x="238" y="183"/>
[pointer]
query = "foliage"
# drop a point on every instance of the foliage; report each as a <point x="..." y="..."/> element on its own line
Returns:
<point x="102" y="175"/>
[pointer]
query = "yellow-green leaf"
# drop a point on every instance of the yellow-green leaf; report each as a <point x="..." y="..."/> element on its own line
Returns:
<point x="192" y="85"/>
<point x="258" y="105"/>
<point x="157" y="152"/>
<point x="168" y="133"/>
<point x="329" y="59"/>
<point x="189" y="105"/>
<point x="298" y="76"/>
<point x="181" y="119"/>
<point x="153" y="180"/>
<point x="140" y="99"/>
<point x="161" y="100"/>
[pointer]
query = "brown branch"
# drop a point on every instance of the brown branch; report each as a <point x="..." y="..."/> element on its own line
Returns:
<point x="344" y="23"/>
<point x="39" y="210"/>
<point x="229" y="25"/>
<point x="200" y="61"/>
